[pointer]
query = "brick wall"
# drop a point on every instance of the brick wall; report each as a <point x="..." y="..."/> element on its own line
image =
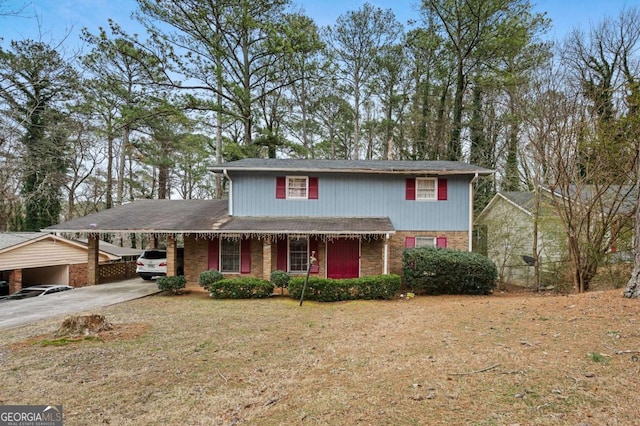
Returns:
<point x="78" y="275"/>
<point x="196" y="257"/>
<point x="372" y="257"/>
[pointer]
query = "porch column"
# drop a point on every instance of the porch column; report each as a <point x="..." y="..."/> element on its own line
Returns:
<point x="385" y="260"/>
<point x="172" y="255"/>
<point x="93" y="275"/>
<point x="266" y="258"/>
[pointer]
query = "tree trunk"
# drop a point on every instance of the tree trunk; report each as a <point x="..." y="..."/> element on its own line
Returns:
<point x="633" y="286"/>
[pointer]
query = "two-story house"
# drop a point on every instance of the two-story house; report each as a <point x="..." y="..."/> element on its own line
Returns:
<point x="356" y="217"/>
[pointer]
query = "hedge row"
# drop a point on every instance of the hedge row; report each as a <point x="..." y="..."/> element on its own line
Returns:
<point x="240" y="288"/>
<point x="446" y="271"/>
<point x="328" y="290"/>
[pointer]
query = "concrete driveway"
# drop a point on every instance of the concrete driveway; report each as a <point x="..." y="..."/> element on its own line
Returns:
<point x="15" y="313"/>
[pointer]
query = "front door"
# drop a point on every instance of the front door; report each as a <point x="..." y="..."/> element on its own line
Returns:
<point x="343" y="259"/>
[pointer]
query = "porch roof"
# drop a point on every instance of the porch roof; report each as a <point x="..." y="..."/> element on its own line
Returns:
<point x="326" y="226"/>
<point x="211" y="217"/>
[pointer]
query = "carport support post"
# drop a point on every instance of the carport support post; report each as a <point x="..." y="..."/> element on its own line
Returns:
<point x="93" y="277"/>
<point x="172" y="256"/>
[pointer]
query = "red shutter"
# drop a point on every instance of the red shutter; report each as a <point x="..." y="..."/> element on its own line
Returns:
<point x="282" y="255"/>
<point x="213" y="255"/>
<point x="442" y="189"/>
<point x="281" y="187"/>
<point x="313" y="188"/>
<point x="409" y="242"/>
<point x="410" y="189"/>
<point x="245" y="256"/>
<point x="313" y="247"/>
<point x="441" y="242"/>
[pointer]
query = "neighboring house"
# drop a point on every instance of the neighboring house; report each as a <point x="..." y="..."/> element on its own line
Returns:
<point x="30" y="258"/>
<point x="505" y="230"/>
<point x="356" y="217"/>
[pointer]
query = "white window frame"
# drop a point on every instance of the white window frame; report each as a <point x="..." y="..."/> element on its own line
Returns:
<point x="423" y="181"/>
<point x="222" y="253"/>
<point x="306" y="259"/>
<point x="426" y="242"/>
<point x="289" y="188"/>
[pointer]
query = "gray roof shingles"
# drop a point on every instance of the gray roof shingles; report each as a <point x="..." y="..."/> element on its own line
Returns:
<point x="210" y="216"/>
<point x="352" y="166"/>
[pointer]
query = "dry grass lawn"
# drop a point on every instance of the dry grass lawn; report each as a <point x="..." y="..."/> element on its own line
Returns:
<point x="504" y="359"/>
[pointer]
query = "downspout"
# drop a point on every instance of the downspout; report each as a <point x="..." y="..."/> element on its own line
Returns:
<point x="230" y="199"/>
<point x="475" y="178"/>
<point x="385" y="263"/>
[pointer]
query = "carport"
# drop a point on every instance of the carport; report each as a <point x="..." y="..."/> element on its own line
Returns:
<point x="30" y="258"/>
<point x="167" y="219"/>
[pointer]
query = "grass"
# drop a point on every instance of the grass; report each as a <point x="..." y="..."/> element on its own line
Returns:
<point x="483" y="360"/>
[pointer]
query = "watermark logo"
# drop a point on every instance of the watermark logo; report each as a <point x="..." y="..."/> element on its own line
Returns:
<point x="30" y="415"/>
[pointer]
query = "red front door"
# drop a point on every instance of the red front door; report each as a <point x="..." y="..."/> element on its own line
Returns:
<point x="343" y="259"/>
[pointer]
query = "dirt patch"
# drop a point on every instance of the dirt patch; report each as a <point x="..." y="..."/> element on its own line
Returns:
<point x="503" y="359"/>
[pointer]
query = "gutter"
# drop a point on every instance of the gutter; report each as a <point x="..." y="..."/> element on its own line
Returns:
<point x="473" y="180"/>
<point x="230" y="205"/>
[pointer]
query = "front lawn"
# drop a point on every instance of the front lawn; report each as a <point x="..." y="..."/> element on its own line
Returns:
<point x="448" y="360"/>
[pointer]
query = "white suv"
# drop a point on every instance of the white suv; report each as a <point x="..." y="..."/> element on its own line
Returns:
<point x="153" y="263"/>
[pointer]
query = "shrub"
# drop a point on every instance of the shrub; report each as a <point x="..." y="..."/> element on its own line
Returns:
<point x="241" y="288"/>
<point x="280" y="279"/>
<point x="328" y="290"/>
<point x="172" y="284"/>
<point x="206" y="278"/>
<point x="446" y="271"/>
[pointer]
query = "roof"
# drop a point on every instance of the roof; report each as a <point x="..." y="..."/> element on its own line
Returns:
<point x="114" y="249"/>
<point x="333" y="226"/>
<point x="154" y="216"/>
<point x="353" y="166"/>
<point x="210" y="217"/>
<point x="11" y="239"/>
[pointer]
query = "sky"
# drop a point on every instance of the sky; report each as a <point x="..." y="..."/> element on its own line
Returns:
<point x="51" y="20"/>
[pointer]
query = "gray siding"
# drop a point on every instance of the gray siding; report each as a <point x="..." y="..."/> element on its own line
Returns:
<point x="356" y="196"/>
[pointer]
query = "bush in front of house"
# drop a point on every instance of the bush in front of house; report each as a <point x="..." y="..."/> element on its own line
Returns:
<point x="206" y="278"/>
<point x="172" y="284"/>
<point x="241" y="288"/>
<point x="328" y="290"/>
<point x="280" y="279"/>
<point x="447" y="271"/>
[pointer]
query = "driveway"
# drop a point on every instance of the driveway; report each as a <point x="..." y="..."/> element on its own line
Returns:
<point x="15" y="313"/>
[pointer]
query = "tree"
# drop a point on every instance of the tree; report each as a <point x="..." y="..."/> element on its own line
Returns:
<point x="37" y="86"/>
<point x="354" y="44"/>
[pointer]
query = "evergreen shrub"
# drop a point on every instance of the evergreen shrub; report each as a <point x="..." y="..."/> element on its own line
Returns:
<point x="447" y="271"/>
<point x="329" y="290"/>
<point x="241" y="288"/>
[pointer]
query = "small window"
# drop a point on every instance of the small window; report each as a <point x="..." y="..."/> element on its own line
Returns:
<point x="229" y="255"/>
<point x="425" y="242"/>
<point x="297" y="187"/>
<point x="426" y="188"/>
<point x="298" y="254"/>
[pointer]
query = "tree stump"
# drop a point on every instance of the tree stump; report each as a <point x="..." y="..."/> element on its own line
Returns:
<point x="83" y="325"/>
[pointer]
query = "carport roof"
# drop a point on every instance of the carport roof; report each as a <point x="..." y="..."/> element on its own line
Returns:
<point x="153" y="216"/>
<point x="211" y="217"/>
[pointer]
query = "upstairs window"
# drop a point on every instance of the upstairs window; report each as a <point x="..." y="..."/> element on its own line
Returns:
<point x="426" y="188"/>
<point x="297" y="187"/>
